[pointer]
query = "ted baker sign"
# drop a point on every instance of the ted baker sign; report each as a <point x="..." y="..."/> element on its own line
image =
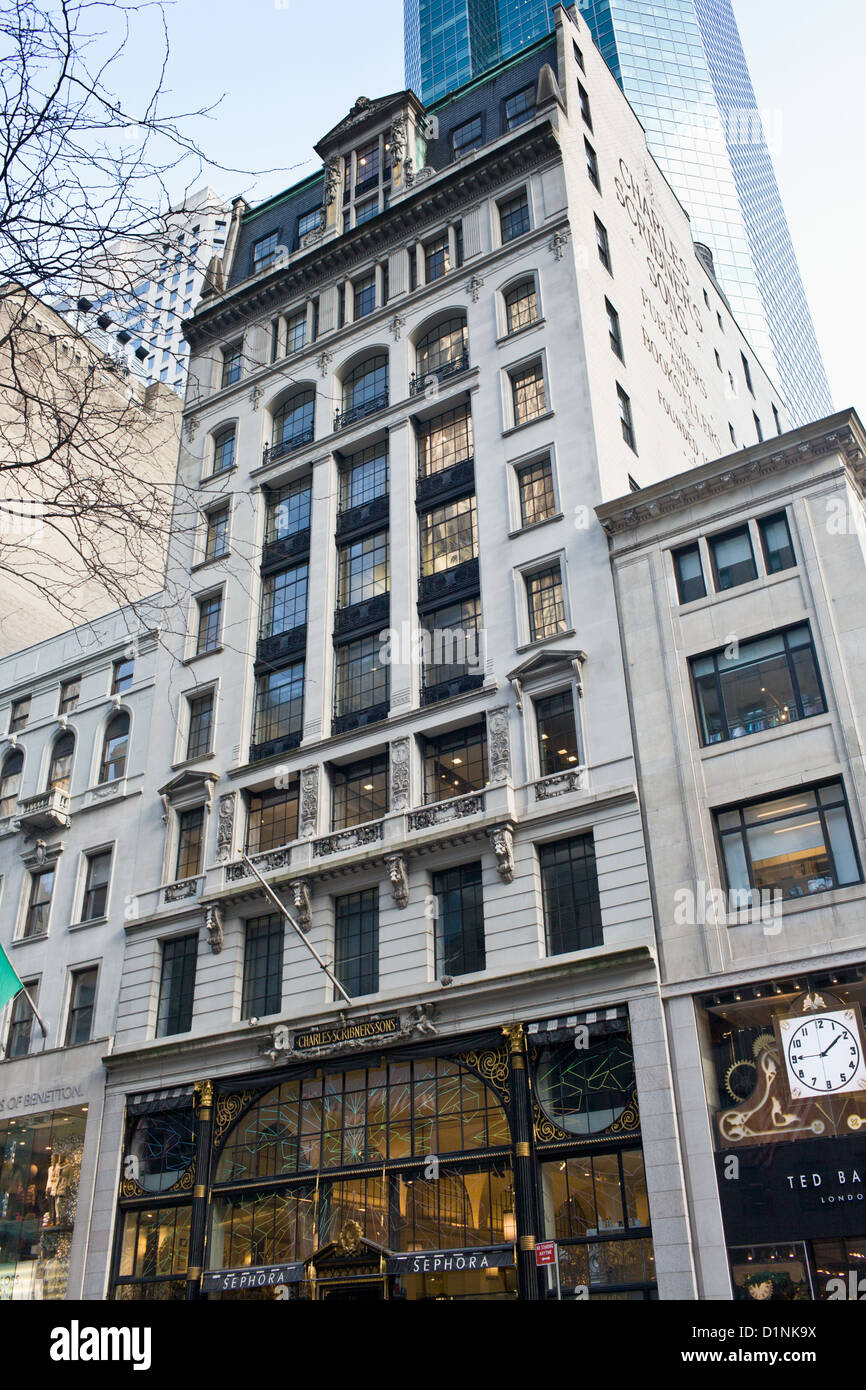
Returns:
<point x="850" y="1181"/>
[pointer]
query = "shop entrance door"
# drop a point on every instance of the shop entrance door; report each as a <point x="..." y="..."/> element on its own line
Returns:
<point x="353" y="1290"/>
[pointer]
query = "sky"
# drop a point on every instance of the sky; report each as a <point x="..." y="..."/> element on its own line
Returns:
<point x="288" y="70"/>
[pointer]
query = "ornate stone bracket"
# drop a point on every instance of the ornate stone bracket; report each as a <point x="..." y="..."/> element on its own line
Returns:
<point x="396" y="865"/>
<point x="502" y="843"/>
<point x="301" y="903"/>
<point x="213" y="925"/>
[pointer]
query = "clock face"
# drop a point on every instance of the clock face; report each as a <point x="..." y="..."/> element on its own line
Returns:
<point x="823" y="1054"/>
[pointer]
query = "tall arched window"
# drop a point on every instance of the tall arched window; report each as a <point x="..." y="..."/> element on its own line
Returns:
<point x="10" y="782"/>
<point x="224" y="449"/>
<point x="444" y="350"/>
<point x="294" y="423"/>
<point x="60" y="770"/>
<point x="115" y="748"/>
<point x="365" y="389"/>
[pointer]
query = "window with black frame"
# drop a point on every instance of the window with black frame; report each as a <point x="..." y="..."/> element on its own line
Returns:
<point x="444" y="348"/>
<point x="449" y="536"/>
<point x="569" y="890"/>
<point x="154" y="1254"/>
<point x="365" y="389"/>
<point x="364" y="476"/>
<point x="545" y="602"/>
<point x="519" y="107"/>
<point x="597" y="1210"/>
<point x="190" y="842"/>
<point x="279" y="704"/>
<point x="455" y="763"/>
<point x="732" y="558"/>
<point x="233" y="360"/>
<point x="96" y="882"/>
<point x="444" y="441"/>
<point x="467" y="136"/>
<point x="521" y="306"/>
<point x="263" y="966"/>
<point x="200" y="733"/>
<point x="284" y="601"/>
<point x="757" y="685"/>
<point x="288" y="511"/>
<point x="224" y="450"/>
<point x="265" y="252"/>
<point x="362" y="678"/>
<point x="436" y="258"/>
<point x="177" y="985"/>
<point x="60" y="770"/>
<point x="689" y="573"/>
<point x="363" y="569"/>
<point x="459" y="920"/>
<point x="452" y="642"/>
<point x="39" y="903"/>
<point x="294" y="423"/>
<point x="364" y="295"/>
<point x="359" y="793"/>
<point x="82" y="998"/>
<point x="536" y="492"/>
<point x="10" y="782"/>
<point x="356" y="941"/>
<point x="273" y="817"/>
<point x="776" y="543"/>
<point x="514" y="216"/>
<point x="21" y="1020"/>
<point x="557" y="732"/>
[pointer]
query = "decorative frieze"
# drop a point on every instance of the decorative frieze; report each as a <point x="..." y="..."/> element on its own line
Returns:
<point x="400" y="774"/>
<point x="342" y="840"/>
<point x="266" y="862"/>
<point x="225" y="827"/>
<point x="176" y="892"/>
<point x="561" y="782"/>
<point x="498" y="744"/>
<point x="444" y="811"/>
<point x="309" y="809"/>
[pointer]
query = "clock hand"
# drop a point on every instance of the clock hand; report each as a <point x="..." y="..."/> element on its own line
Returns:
<point x="833" y="1044"/>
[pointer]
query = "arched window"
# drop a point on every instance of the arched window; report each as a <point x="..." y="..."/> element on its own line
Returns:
<point x="115" y="748"/>
<point x="294" y="423"/>
<point x="521" y="305"/>
<point x="224" y="449"/>
<point x="60" y="770"/>
<point x="443" y="351"/>
<point x="365" y="389"/>
<point x="10" y="782"/>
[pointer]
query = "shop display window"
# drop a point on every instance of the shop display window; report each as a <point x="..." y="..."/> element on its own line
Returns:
<point x="40" y="1168"/>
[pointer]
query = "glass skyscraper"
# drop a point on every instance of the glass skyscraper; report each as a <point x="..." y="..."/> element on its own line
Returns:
<point x="681" y="65"/>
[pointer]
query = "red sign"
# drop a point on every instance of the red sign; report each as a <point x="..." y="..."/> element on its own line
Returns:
<point x="545" y="1252"/>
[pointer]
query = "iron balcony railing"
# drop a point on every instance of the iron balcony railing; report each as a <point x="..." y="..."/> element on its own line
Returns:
<point x="419" y="381"/>
<point x="285" y="446"/>
<point x="358" y="412"/>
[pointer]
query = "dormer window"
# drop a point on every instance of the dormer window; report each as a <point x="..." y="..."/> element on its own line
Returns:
<point x="367" y="179"/>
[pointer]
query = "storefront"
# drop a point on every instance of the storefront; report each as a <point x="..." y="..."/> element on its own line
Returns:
<point x="40" y="1170"/>
<point x="790" y="1123"/>
<point x="414" y="1172"/>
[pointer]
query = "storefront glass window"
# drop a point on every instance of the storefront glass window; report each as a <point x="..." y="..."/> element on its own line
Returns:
<point x="40" y="1167"/>
<point x="154" y="1252"/>
<point x="584" y="1091"/>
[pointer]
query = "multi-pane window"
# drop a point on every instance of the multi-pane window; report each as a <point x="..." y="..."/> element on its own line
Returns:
<point x="795" y="844"/>
<point x="356" y="941"/>
<point x="273" y="818"/>
<point x="776" y="543"/>
<point x="296" y="331"/>
<point x="557" y="733"/>
<point x="364" y="295"/>
<point x="70" y="692"/>
<point x="96" y="886"/>
<point x="625" y="416"/>
<point x="208" y="631"/>
<point x="21" y="1021"/>
<point x="732" y="558"/>
<point x="519" y="107"/>
<point x="309" y="222"/>
<point x="177" y="985"/>
<point x="233" y="358"/>
<point x="537" y="496"/>
<point x="459" y="920"/>
<point x="366" y="387"/>
<point x="514" y="216"/>
<point x="82" y="996"/>
<point x="10" y="782"/>
<point x="279" y="704"/>
<point x="455" y="763"/>
<point x="444" y="441"/>
<point x="603" y="245"/>
<point x="216" y="541"/>
<point x="265" y="251"/>
<point x="467" y="136"/>
<point x="613" y="330"/>
<point x="436" y="261"/>
<point x="757" y="685"/>
<point x="452" y="642"/>
<point x="449" y="536"/>
<point x="689" y="573"/>
<point x="528" y="397"/>
<point x="115" y="748"/>
<point x="365" y="211"/>
<point x="592" y="165"/>
<point x="359" y="793"/>
<point x="224" y="450"/>
<point x="200" y="725"/>
<point x="446" y="345"/>
<point x="363" y="569"/>
<point x="546" y="603"/>
<point x="569" y="889"/>
<point x="367" y="165"/>
<point x="289" y="510"/>
<point x="39" y="903"/>
<point x="263" y="966"/>
<point x="294" y="422"/>
<point x="60" y="770"/>
<point x="364" y="477"/>
<point x="362" y="677"/>
<point x="521" y="305"/>
<point x="19" y="715"/>
<point x="284" y="601"/>
<point x="190" y="840"/>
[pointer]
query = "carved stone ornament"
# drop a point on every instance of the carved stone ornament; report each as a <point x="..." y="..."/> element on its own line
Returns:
<point x="418" y="1020"/>
<point x="557" y="245"/>
<point x="396" y="325"/>
<point x="498" y="744"/>
<point x="350" y="1238"/>
<point x="400" y="756"/>
<point x="332" y="180"/>
<point x="302" y="905"/>
<point x="190" y="427"/>
<point x="213" y="925"/>
<point x="225" y="827"/>
<point x="256" y="393"/>
<point x="323" y="362"/>
<point x="474" y="288"/>
<point x="444" y="811"/>
<point x="398" y="140"/>
<point x="309" y="816"/>
<point x="502" y="843"/>
<point x="396" y="866"/>
<point x="176" y="892"/>
<point x="348" y="839"/>
<point x="558" y="783"/>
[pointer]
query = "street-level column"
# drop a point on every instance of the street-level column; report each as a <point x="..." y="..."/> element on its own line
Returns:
<point x="524" y="1168"/>
<point x="198" y="1219"/>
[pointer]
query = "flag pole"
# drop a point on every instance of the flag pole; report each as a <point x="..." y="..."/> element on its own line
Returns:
<point x="36" y="1014"/>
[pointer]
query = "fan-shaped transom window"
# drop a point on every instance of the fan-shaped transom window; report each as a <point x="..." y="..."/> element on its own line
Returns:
<point x="444" y="348"/>
<point x="60" y="770"/>
<point x="294" y="422"/>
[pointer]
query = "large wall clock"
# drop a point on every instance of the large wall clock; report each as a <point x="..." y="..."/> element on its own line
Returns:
<point x="822" y="1045"/>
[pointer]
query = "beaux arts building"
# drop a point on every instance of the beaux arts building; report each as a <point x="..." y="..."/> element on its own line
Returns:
<point x="396" y="683"/>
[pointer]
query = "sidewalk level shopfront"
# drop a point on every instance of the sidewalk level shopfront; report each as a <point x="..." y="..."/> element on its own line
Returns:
<point x="426" y="1171"/>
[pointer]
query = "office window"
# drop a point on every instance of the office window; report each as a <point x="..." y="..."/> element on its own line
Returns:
<point x="279" y="704"/>
<point x="366" y="388"/>
<point x="60" y="769"/>
<point x="776" y="543"/>
<point x="363" y="569"/>
<point x="367" y="164"/>
<point x="224" y="450"/>
<point x="233" y="357"/>
<point x="79" y="1024"/>
<point x="732" y="559"/>
<point x="603" y="245"/>
<point x="263" y="966"/>
<point x="200" y="726"/>
<point x="365" y="211"/>
<point x="359" y="793"/>
<point x="769" y="681"/>
<point x="592" y="166"/>
<point x="689" y="573"/>
<point x="364" y="295"/>
<point x="273" y="818"/>
<point x="362" y="680"/>
<point x="19" y="715"/>
<point x="190" y="835"/>
<point x="625" y="417"/>
<point x="294" y="422"/>
<point x="10" y="782"/>
<point x="21" y="1021"/>
<point x="436" y="258"/>
<point x="613" y="330"/>
<point x="296" y="331"/>
<point x="557" y="733"/>
<point x="70" y="692"/>
<point x="459" y="920"/>
<point x="514" y="216"/>
<point x="452" y="642"/>
<point x="528" y="396"/>
<point x="583" y="96"/>
<point x="216" y="543"/>
<point x="309" y="222"/>
<point x="446" y="345"/>
<point x="284" y="601"/>
<point x="39" y="903"/>
<point x="519" y="107"/>
<point x="96" y="886"/>
<point x="289" y="510"/>
<point x="264" y="252"/>
<point x="115" y="748"/>
<point x="356" y="941"/>
<point x="364" y="477"/>
<point x="521" y="305"/>
<point x="455" y="763"/>
<point x="467" y="136"/>
<point x="569" y="890"/>
<point x="747" y="372"/>
<point x="445" y="441"/>
<point x="535" y="487"/>
<point x="795" y="844"/>
<point x="449" y="536"/>
<point x="208" y="632"/>
<point x="177" y="985"/>
<point x="546" y="603"/>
